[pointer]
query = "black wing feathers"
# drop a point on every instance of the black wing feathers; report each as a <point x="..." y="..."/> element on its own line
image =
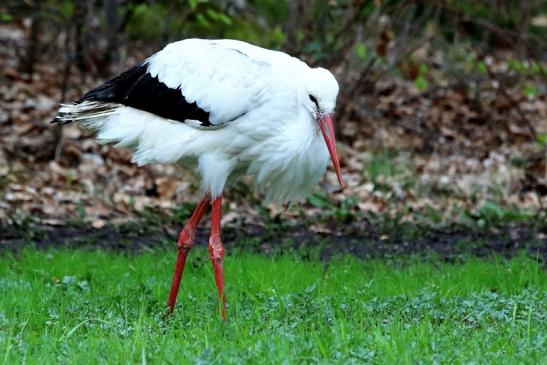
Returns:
<point x="138" y="89"/>
<point x="115" y="90"/>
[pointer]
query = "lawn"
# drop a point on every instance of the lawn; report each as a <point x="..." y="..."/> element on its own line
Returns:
<point x="93" y="306"/>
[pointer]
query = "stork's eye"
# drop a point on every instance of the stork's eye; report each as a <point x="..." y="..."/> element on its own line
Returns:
<point x="314" y="100"/>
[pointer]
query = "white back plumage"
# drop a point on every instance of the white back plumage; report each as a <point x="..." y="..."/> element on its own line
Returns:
<point x="226" y="77"/>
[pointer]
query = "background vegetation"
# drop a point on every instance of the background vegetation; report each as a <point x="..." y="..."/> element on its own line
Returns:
<point x="441" y="113"/>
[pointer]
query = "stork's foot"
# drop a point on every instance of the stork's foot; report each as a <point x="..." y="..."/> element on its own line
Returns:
<point x="185" y="242"/>
<point x="216" y="251"/>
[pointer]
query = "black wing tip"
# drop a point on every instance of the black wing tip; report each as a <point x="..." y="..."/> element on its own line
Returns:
<point x="116" y="89"/>
<point x="104" y="92"/>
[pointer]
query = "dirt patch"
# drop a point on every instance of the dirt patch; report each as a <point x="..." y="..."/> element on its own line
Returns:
<point x="368" y="242"/>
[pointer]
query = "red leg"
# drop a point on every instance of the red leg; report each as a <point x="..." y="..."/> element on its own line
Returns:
<point x="216" y="251"/>
<point x="186" y="240"/>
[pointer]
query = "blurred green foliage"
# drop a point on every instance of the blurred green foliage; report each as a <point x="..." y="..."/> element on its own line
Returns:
<point x="331" y="31"/>
<point x="431" y="44"/>
<point x="174" y="20"/>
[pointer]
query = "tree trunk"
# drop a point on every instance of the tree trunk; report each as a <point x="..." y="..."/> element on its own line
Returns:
<point x="34" y="41"/>
<point x="300" y="21"/>
<point x="112" y="29"/>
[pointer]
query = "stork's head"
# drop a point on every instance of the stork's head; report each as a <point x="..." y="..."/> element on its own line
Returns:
<point x="322" y="90"/>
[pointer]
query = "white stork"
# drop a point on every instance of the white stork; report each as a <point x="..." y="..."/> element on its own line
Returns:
<point x="228" y="109"/>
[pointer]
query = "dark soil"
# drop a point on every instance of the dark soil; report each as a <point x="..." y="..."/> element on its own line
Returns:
<point x="449" y="243"/>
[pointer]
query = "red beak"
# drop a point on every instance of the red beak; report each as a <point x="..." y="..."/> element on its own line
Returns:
<point x="326" y="123"/>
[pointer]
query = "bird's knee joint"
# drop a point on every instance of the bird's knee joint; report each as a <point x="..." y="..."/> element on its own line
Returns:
<point x="215" y="248"/>
<point x="186" y="239"/>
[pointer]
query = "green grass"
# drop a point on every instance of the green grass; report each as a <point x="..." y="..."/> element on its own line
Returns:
<point x="81" y="307"/>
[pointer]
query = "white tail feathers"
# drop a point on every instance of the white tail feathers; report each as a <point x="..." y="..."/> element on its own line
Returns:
<point x="153" y="138"/>
<point x="87" y="111"/>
